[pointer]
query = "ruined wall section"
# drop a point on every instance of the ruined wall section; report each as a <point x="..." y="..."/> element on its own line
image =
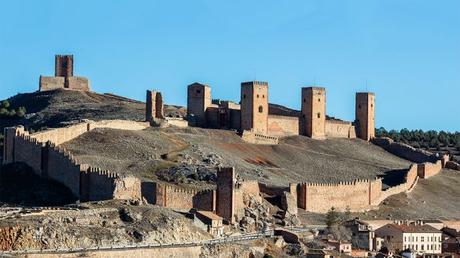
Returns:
<point x="404" y="151"/>
<point x="225" y="206"/>
<point x="283" y="125"/>
<point x="154" y="108"/>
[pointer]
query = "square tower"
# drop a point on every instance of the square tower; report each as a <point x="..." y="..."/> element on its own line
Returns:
<point x="225" y="205"/>
<point x="254" y="106"/>
<point x="313" y="114"/>
<point x="365" y="115"/>
<point x="198" y="100"/>
<point x="63" y="66"/>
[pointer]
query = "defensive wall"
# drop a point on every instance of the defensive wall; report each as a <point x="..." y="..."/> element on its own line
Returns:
<point x="42" y="152"/>
<point x="176" y="197"/>
<point x="340" y="129"/>
<point x="283" y="125"/>
<point x="427" y="169"/>
<point x="404" y="151"/>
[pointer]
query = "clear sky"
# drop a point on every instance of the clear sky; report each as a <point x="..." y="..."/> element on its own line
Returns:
<point x="406" y="51"/>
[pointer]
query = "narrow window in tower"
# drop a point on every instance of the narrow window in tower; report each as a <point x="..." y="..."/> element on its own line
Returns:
<point x="359" y="106"/>
<point x="319" y="115"/>
<point x="263" y="96"/>
<point x="304" y="100"/>
<point x="319" y="100"/>
<point x="261" y="109"/>
<point x="257" y="95"/>
<point x="198" y="91"/>
<point x="244" y="96"/>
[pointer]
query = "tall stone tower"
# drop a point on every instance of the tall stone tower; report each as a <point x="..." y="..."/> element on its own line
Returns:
<point x="365" y="115"/>
<point x="313" y="113"/>
<point x="198" y="100"/>
<point x="63" y="66"/>
<point x="225" y="205"/>
<point x="254" y="106"/>
<point x="154" y="108"/>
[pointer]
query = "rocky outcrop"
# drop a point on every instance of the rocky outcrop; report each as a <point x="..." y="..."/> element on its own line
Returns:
<point x="453" y="165"/>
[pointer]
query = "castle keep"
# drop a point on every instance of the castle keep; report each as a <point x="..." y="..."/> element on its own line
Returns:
<point x="63" y="77"/>
<point x="313" y="118"/>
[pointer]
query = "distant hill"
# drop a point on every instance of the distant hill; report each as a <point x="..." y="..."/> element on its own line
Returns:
<point x="55" y="108"/>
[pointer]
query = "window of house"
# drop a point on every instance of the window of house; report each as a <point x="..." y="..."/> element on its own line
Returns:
<point x="422" y="247"/>
<point x="422" y="239"/>
<point x="261" y="109"/>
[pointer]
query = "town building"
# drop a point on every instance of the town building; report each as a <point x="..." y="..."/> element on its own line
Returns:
<point x="419" y="237"/>
<point x="362" y="234"/>
<point x="213" y="222"/>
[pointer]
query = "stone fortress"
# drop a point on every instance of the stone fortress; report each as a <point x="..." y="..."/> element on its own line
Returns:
<point x="252" y="119"/>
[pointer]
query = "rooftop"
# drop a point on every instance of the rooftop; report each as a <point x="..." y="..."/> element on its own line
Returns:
<point x="404" y="228"/>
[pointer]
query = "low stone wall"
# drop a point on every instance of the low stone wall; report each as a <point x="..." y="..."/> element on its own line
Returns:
<point x="404" y="151"/>
<point x="179" y="122"/>
<point x="427" y="169"/>
<point x="283" y="125"/>
<point x="255" y="138"/>
<point x="340" y="129"/>
<point x="64" y="134"/>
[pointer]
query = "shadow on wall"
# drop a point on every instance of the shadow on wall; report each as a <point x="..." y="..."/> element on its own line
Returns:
<point x="394" y="177"/>
<point x="19" y="185"/>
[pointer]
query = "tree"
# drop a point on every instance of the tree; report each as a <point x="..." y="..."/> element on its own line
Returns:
<point x="332" y="218"/>
<point x="5" y="104"/>
<point x="21" y="112"/>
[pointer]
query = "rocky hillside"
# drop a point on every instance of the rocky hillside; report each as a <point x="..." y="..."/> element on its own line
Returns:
<point x="53" y="108"/>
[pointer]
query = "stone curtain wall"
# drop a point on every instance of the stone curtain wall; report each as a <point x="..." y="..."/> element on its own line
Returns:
<point x="357" y="195"/>
<point x="51" y="161"/>
<point x="426" y="170"/>
<point x="175" y="197"/>
<point x="404" y="151"/>
<point x="339" y="129"/>
<point x="283" y="125"/>
<point x="65" y="134"/>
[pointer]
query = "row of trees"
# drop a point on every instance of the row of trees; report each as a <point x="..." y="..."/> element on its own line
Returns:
<point x="7" y="112"/>
<point x="421" y="139"/>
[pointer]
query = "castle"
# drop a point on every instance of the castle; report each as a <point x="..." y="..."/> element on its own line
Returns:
<point x="63" y="77"/>
<point x="252" y="117"/>
<point x="253" y="113"/>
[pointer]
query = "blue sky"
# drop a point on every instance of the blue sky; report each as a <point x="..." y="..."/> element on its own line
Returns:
<point x="406" y="51"/>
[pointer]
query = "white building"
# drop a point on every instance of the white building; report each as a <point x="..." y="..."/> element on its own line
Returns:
<point x="419" y="237"/>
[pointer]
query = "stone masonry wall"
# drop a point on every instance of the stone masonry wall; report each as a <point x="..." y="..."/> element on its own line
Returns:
<point x="51" y="83"/>
<point x="339" y="129"/>
<point x="64" y="134"/>
<point x="175" y="197"/>
<point x="404" y="151"/>
<point x="426" y="170"/>
<point x="283" y="125"/>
